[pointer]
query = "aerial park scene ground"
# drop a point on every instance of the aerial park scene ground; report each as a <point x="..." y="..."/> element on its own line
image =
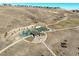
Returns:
<point x="39" y="29"/>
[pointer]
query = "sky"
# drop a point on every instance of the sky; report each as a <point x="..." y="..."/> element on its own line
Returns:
<point x="40" y="1"/>
<point x="67" y="6"/>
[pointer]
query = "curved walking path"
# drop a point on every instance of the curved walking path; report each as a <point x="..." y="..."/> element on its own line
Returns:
<point x="65" y="18"/>
<point x="14" y="32"/>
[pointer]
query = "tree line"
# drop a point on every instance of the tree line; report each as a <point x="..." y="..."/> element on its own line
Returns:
<point x="30" y="6"/>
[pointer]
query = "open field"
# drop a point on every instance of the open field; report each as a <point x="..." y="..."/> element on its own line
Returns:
<point x="62" y="42"/>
